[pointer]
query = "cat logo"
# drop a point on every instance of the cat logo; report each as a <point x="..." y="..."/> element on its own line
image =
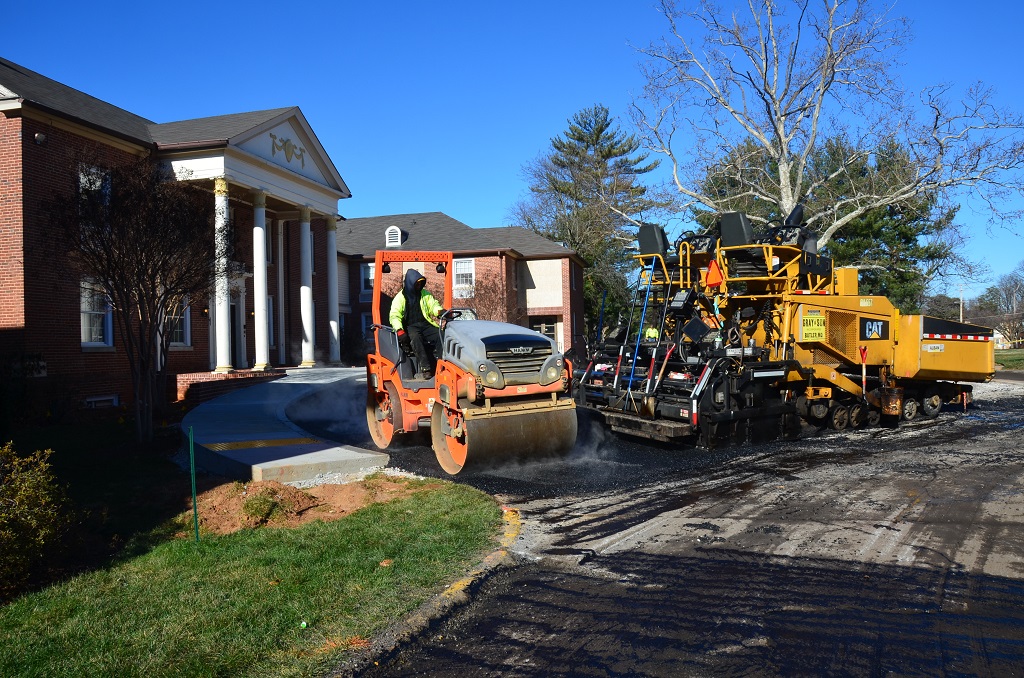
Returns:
<point x="873" y="329"/>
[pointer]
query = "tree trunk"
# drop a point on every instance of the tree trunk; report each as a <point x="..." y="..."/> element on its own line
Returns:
<point x="144" y="405"/>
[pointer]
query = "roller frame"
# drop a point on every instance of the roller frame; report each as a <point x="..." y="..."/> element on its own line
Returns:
<point x="517" y="421"/>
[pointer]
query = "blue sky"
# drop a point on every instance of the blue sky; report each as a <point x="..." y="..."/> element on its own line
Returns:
<point x="437" y="106"/>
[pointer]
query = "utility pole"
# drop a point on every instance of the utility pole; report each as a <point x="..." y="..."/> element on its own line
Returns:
<point x="961" y="302"/>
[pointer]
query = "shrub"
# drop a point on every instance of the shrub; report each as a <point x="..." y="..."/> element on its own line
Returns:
<point x="33" y="518"/>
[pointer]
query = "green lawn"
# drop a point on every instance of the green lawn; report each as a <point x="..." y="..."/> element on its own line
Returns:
<point x="1011" y="359"/>
<point x="257" y="602"/>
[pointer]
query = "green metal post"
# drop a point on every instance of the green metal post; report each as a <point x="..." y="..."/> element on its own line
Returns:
<point x="192" y="463"/>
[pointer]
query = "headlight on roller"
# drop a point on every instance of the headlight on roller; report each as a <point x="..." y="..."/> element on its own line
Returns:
<point x="491" y="378"/>
<point x="552" y="373"/>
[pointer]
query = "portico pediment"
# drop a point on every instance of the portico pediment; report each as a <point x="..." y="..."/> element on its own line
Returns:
<point x="290" y="146"/>
<point x="272" y="151"/>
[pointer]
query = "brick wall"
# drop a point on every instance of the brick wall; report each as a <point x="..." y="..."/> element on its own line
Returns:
<point x="198" y="387"/>
<point x="490" y="297"/>
<point x="40" y="296"/>
<point x="51" y="292"/>
<point x="12" y="309"/>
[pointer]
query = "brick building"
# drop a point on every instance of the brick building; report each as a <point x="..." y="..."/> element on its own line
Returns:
<point x="505" y="273"/>
<point x="273" y="186"/>
<point x="269" y="180"/>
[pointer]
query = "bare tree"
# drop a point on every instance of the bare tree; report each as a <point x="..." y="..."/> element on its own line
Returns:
<point x="146" y="242"/>
<point x="490" y="300"/>
<point x="1002" y="307"/>
<point x="747" y="96"/>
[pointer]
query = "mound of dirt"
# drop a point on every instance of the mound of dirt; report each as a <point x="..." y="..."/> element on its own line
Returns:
<point x="234" y="506"/>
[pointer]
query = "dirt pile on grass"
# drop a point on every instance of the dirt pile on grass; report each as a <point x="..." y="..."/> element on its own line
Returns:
<point x="235" y="506"/>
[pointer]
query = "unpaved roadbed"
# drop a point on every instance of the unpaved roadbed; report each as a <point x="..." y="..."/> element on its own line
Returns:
<point x="861" y="553"/>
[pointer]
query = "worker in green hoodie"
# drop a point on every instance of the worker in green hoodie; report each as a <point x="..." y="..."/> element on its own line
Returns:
<point x="414" y="317"/>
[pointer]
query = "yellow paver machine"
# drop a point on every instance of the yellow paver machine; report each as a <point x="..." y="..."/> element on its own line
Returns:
<point x="733" y="338"/>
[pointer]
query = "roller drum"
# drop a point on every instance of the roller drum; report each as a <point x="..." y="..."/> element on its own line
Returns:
<point x="491" y="439"/>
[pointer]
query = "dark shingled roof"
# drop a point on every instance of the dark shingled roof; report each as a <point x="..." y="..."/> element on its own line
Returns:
<point x="216" y="129"/>
<point x="21" y="83"/>
<point x="526" y="242"/>
<point x="42" y="92"/>
<point x="363" y="236"/>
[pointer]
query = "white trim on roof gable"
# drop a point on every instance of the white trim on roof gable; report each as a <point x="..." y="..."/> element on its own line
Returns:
<point x="287" y="146"/>
<point x="242" y="169"/>
<point x="287" y="140"/>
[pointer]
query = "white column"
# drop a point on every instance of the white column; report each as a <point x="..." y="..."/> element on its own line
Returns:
<point x="332" y="289"/>
<point x="222" y="290"/>
<point x="259" y="281"/>
<point x="280" y="293"/>
<point x="306" y="289"/>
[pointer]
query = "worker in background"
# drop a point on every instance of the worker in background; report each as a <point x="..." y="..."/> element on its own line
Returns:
<point x="414" y="317"/>
<point x="651" y="333"/>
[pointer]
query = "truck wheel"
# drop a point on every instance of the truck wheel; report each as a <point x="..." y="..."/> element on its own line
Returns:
<point x="931" y="404"/>
<point x="838" y="417"/>
<point x="858" y="415"/>
<point x="909" y="409"/>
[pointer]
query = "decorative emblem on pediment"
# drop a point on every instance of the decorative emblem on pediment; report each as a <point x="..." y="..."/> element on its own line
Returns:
<point x="289" y="148"/>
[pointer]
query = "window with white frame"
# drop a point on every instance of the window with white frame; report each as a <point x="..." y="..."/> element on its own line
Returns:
<point x="179" y="325"/>
<point x="462" y="283"/>
<point x="367" y="322"/>
<point x="97" y="316"/>
<point x="365" y="282"/>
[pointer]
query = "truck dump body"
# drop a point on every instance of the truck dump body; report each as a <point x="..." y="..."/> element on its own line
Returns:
<point x="932" y="348"/>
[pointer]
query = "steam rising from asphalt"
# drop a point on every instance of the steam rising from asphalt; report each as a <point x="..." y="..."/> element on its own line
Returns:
<point x="338" y="412"/>
<point x="594" y="459"/>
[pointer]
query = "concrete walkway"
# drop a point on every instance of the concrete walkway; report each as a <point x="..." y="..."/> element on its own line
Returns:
<point x="247" y="434"/>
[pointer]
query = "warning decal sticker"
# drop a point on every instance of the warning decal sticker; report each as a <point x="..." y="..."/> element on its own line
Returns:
<point x="812" y="327"/>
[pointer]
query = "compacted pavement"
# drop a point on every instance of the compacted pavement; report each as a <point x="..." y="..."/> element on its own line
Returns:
<point x="873" y="552"/>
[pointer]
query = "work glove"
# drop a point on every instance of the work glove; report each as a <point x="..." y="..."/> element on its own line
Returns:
<point x="404" y="341"/>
